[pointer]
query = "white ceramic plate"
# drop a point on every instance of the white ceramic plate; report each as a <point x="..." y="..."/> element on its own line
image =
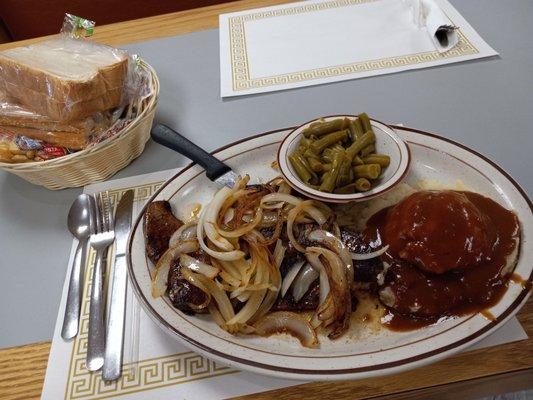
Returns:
<point x="387" y="142"/>
<point x="384" y="352"/>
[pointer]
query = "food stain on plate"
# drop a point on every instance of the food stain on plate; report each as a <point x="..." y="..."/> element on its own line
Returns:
<point x="193" y="212"/>
<point x="519" y="280"/>
<point x="366" y="320"/>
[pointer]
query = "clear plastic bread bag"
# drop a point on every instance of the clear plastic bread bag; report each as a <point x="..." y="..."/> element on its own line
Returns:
<point x="37" y="105"/>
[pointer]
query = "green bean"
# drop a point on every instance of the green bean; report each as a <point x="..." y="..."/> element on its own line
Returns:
<point x="382" y="159"/>
<point x="346" y="126"/>
<point x="352" y="132"/>
<point x="359" y="127"/>
<point x="365" y="122"/>
<point x="300" y="169"/>
<point x="327" y="155"/>
<point x="362" y="184"/>
<point x="300" y="157"/>
<point x="327" y="166"/>
<point x="343" y="177"/>
<point x="344" y="171"/>
<point x="310" y="153"/>
<point x="361" y="143"/>
<point x="346" y="123"/>
<point x="328" y="140"/>
<point x="325" y="175"/>
<point x="306" y="142"/>
<point x="337" y="147"/>
<point x="322" y="128"/>
<point x="301" y="149"/>
<point x="314" y="177"/>
<point x="330" y="177"/>
<point x="369" y="171"/>
<point x="301" y="160"/>
<point x="356" y="130"/>
<point x="358" y="161"/>
<point x="368" y="150"/>
<point x="315" y="164"/>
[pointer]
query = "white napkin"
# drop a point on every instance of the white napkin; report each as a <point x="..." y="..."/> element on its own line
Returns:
<point x="427" y="14"/>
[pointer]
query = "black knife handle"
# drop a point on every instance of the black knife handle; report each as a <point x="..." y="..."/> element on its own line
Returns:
<point x="168" y="137"/>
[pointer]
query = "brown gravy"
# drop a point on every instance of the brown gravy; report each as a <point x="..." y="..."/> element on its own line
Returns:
<point x="422" y="297"/>
<point x="488" y="315"/>
<point x="518" y="280"/>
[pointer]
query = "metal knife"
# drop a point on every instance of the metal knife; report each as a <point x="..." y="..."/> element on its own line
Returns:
<point x="112" y="368"/>
<point x="215" y="169"/>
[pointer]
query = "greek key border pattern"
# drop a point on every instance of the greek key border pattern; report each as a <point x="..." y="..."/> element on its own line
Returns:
<point x="143" y="375"/>
<point x="240" y="68"/>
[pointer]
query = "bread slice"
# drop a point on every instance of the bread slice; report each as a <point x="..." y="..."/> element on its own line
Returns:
<point x="14" y="114"/>
<point x="66" y="111"/>
<point x="63" y="78"/>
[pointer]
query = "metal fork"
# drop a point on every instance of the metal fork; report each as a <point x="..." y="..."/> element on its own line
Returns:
<point x="100" y="241"/>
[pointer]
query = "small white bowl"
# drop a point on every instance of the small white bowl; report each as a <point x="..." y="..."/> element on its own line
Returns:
<point x="387" y="142"/>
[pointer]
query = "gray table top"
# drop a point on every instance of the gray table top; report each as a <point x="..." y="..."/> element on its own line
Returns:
<point x="484" y="104"/>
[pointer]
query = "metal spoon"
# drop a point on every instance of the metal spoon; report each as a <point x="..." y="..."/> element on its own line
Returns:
<point x="80" y="224"/>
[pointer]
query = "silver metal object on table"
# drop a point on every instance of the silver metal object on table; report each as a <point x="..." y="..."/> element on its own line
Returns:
<point x="228" y="179"/>
<point x="81" y="225"/>
<point x="100" y="241"/>
<point x="117" y="306"/>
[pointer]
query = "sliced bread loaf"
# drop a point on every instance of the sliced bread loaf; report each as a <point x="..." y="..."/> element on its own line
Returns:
<point x="63" y="78"/>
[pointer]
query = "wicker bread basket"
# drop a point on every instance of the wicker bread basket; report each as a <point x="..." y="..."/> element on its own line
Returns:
<point x="100" y="161"/>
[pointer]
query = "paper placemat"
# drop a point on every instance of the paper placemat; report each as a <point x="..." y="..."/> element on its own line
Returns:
<point x="155" y="365"/>
<point x="321" y="41"/>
